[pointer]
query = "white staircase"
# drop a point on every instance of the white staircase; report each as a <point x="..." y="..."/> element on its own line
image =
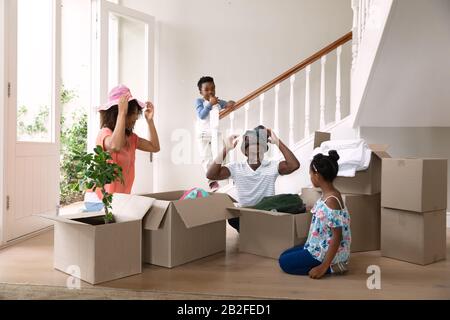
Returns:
<point x="312" y="96"/>
<point x="392" y="70"/>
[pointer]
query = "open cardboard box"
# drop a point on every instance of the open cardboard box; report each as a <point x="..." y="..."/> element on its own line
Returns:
<point x="179" y="231"/>
<point x="269" y="234"/>
<point x="96" y="252"/>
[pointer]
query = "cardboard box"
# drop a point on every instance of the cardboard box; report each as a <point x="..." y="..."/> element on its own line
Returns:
<point x="414" y="184"/>
<point x="365" y="215"/>
<point x="365" y="221"/>
<point x="310" y="196"/>
<point x="96" y="252"/>
<point x="367" y="181"/>
<point x="364" y="182"/>
<point x="320" y="137"/>
<point x="177" y="232"/>
<point x="414" y="237"/>
<point x="269" y="234"/>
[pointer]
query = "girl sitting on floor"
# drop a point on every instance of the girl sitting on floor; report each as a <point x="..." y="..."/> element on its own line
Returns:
<point x="327" y="248"/>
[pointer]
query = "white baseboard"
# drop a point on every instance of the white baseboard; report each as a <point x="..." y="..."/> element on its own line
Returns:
<point x="25" y="237"/>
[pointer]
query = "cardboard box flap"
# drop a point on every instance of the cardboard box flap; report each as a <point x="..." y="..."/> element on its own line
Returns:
<point x="235" y="211"/>
<point x="127" y="207"/>
<point x="320" y="137"/>
<point x="380" y="150"/>
<point x="69" y="218"/>
<point x="166" y="196"/>
<point x="202" y="211"/>
<point x="155" y="216"/>
<point x="243" y="210"/>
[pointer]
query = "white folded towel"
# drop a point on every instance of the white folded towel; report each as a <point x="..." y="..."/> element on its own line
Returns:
<point x="354" y="155"/>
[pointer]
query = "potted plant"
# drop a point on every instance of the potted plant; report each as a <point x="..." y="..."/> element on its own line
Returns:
<point x="95" y="171"/>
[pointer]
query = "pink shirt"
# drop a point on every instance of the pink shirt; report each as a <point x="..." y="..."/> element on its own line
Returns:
<point x="124" y="158"/>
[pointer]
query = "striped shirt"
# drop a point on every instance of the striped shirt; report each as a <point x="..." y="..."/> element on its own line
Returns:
<point x="253" y="185"/>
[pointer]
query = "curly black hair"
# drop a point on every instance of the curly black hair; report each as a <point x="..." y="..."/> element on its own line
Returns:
<point x="203" y="80"/>
<point x="326" y="166"/>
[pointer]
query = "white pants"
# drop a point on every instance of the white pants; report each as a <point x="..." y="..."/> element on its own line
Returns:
<point x="205" y="140"/>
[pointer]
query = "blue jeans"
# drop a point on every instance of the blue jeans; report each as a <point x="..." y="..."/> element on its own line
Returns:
<point x="299" y="261"/>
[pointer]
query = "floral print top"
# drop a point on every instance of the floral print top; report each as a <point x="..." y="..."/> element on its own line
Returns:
<point x="320" y="232"/>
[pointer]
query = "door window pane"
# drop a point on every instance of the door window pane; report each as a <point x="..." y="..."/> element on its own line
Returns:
<point x="35" y="71"/>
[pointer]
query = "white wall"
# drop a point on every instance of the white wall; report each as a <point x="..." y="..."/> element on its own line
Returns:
<point x="409" y="81"/>
<point x="243" y="44"/>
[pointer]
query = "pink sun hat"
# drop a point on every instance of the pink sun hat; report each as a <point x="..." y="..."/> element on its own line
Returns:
<point x="114" y="97"/>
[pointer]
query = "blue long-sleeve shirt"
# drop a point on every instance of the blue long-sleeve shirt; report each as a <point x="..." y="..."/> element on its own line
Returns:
<point x="204" y="109"/>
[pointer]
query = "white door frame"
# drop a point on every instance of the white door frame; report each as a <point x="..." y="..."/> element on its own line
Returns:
<point x="28" y="148"/>
<point x="100" y="67"/>
<point x="3" y="115"/>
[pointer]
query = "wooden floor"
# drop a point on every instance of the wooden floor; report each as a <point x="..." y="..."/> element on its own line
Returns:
<point x="227" y="275"/>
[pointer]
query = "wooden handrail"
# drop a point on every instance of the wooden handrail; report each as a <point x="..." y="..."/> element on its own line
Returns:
<point x="287" y="74"/>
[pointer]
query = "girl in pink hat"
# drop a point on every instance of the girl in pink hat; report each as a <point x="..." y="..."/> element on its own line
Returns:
<point x="117" y="120"/>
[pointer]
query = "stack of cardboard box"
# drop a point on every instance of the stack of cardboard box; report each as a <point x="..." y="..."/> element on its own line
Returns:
<point x="362" y="197"/>
<point x="270" y="233"/>
<point x="414" y="201"/>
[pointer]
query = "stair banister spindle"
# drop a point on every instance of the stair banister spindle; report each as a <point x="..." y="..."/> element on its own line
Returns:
<point x="307" y="101"/>
<point x="276" y="121"/>
<point x="247" y="106"/>
<point x="338" y="84"/>
<point x="360" y="23"/>
<point x="355" y="31"/>
<point x="276" y="124"/>
<point x="231" y="123"/>
<point x="366" y="17"/>
<point x="323" y="61"/>
<point x="291" y="111"/>
<point x="231" y="133"/>
<point x="261" y="109"/>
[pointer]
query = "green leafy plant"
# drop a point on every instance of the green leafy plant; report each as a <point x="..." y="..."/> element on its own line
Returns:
<point x="39" y="124"/>
<point x="73" y="140"/>
<point x="95" y="171"/>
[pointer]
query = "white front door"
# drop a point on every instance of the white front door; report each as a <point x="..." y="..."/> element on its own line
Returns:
<point x="124" y="53"/>
<point x="33" y="114"/>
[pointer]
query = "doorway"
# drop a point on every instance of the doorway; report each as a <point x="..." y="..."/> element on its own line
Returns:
<point x="122" y="47"/>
